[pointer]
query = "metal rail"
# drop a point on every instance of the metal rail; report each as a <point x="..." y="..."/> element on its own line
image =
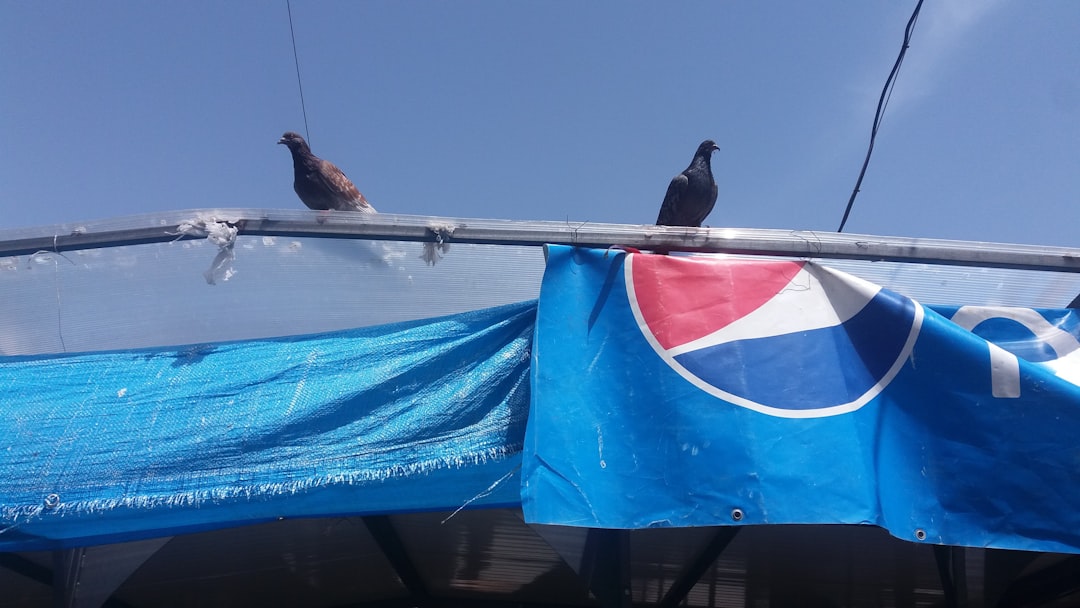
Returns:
<point x="178" y="225"/>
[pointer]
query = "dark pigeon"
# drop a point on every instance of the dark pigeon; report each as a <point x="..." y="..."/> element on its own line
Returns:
<point x="320" y="184"/>
<point x="691" y="195"/>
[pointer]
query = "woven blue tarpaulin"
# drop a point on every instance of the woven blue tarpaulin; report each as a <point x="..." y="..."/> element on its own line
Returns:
<point x="674" y="391"/>
<point x="103" y="447"/>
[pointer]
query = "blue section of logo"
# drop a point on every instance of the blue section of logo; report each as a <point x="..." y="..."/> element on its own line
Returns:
<point x="813" y="369"/>
<point x="1014" y="337"/>
<point x="1036" y="335"/>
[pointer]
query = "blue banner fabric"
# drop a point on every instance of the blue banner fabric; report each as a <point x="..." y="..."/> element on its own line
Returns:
<point x="697" y="391"/>
<point x="104" y="447"/>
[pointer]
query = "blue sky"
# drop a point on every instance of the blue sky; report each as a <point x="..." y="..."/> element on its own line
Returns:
<point x="552" y="111"/>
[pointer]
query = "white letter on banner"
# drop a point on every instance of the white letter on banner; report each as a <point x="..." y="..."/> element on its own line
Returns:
<point x="1004" y="366"/>
<point x="1004" y="373"/>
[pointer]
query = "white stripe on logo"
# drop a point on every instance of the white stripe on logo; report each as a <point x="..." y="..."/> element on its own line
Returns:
<point x="1004" y="366"/>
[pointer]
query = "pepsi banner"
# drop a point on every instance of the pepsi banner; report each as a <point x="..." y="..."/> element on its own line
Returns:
<point x="699" y="391"/>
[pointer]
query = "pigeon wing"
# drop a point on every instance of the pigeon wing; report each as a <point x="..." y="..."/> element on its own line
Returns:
<point x="712" y="203"/>
<point x="669" y="211"/>
<point x="343" y="193"/>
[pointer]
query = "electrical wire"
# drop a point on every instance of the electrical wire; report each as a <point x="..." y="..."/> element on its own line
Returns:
<point x="883" y="102"/>
<point x="296" y="59"/>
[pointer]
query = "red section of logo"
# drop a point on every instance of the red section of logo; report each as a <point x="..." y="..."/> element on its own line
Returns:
<point x="683" y="299"/>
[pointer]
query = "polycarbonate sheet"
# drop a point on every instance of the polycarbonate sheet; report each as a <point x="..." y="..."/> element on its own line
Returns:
<point x="967" y="285"/>
<point x="143" y="281"/>
<point x="950" y="285"/>
<point x="159" y="295"/>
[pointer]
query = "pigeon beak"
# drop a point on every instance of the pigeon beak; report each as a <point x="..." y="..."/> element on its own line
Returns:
<point x="281" y="141"/>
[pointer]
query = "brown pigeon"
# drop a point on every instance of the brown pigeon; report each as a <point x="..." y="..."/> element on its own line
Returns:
<point x="691" y="195"/>
<point x="320" y="184"/>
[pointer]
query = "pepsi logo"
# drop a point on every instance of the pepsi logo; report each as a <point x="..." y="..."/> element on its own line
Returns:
<point x="784" y="338"/>
<point x="1040" y="341"/>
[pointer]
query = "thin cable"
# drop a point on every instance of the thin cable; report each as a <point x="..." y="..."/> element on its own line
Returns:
<point x="883" y="102"/>
<point x="299" y="84"/>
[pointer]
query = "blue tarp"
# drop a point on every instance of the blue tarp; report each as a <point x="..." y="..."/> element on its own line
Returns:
<point x="103" y="447"/>
<point x="675" y="391"/>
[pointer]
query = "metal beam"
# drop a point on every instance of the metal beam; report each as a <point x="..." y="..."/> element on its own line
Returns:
<point x="382" y="530"/>
<point x="950" y="565"/>
<point x="606" y="566"/>
<point x="67" y="569"/>
<point x="696" y="569"/>
<point x="177" y="225"/>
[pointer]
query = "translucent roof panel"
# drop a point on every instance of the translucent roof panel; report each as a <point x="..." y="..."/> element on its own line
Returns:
<point x="968" y="285"/>
<point x="198" y="276"/>
<point x="964" y="285"/>
<point x="157" y="295"/>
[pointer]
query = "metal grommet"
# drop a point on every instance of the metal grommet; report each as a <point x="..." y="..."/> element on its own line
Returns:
<point x="736" y="514"/>
<point x="52" y="501"/>
<point x="920" y="534"/>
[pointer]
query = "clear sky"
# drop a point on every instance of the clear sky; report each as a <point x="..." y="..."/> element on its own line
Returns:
<point x="579" y="111"/>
